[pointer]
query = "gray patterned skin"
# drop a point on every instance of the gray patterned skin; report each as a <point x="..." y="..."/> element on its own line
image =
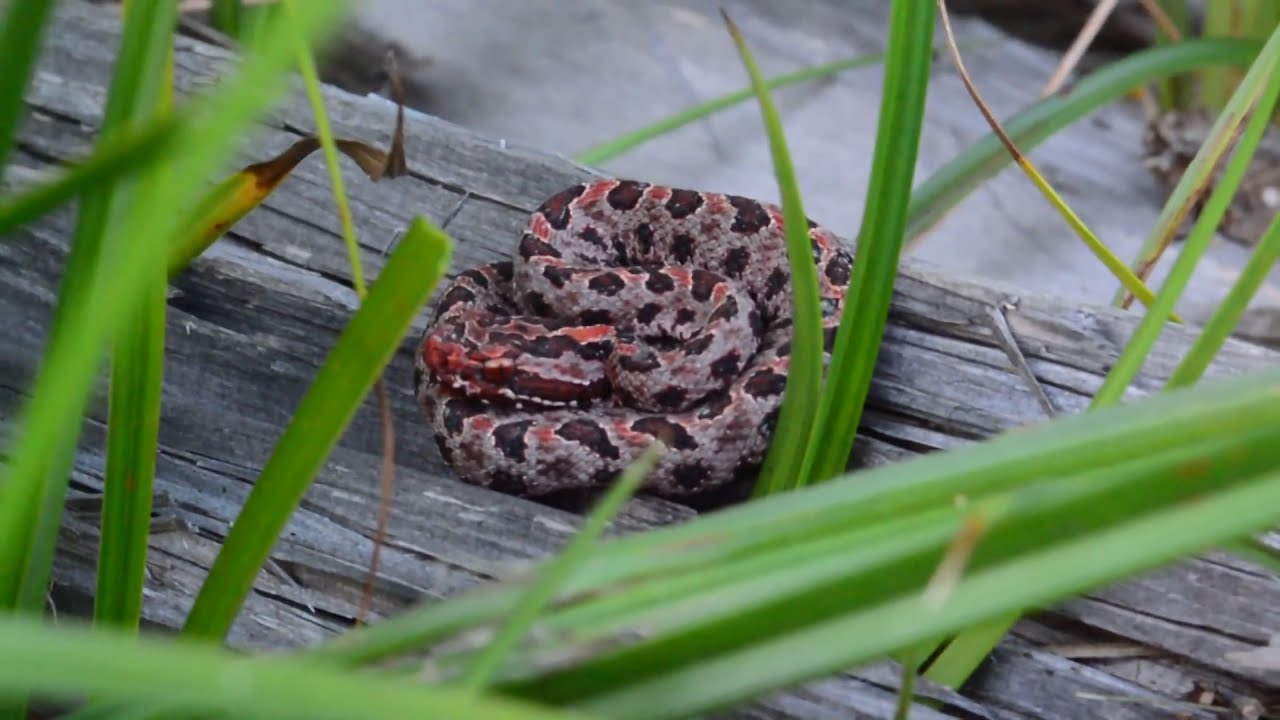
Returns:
<point x="629" y="312"/>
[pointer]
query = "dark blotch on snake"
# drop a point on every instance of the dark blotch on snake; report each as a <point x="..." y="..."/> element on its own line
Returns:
<point x="626" y="195"/>
<point x="765" y="383"/>
<point x="751" y="215"/>
<point x="756" y="322"/>
<point x="556" y="208"/>
<point x="620" y="251"/>
<point x="648" y="312"/>
<point x="643" y="361"/>
<point x="556" y="275"/>
<point x="592" y="236"/>
<point x="644" y="239"/>
<point x="606" y="283"/>
<point x="475" y="275"/>
<point x="684" y="316"/>
<point x="682" y="246"/>
<point x="534" y="302"/>
<point x="589" y="434"/>
<point x="726" y="310"/>
<point x="727" y="366"/>
<point x="671" y="397"/>
<point x="531" y="246"/>
<point x="595" y="317"/>
<point x="698" y="345"/>
<point x="683" y="203"/>
<point x="550" y="346"/>
<point x="456" y="413"/>
<point x="598" y="350"/>
<point x="704" y="284"/>
<point x="672" y="433"/>
<point x="505" y="270"/>
<point x="509" y="439"/>
<point x="456" y="294"/>
<point x="714" y="407"/>
<point x="735" y="261"/>
<point x="776" y="283"/>
<point x="840" y="269"/>
<point x="659" y="282"/>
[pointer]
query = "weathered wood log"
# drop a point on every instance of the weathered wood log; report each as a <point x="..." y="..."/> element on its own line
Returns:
<point x="252" y="320"/>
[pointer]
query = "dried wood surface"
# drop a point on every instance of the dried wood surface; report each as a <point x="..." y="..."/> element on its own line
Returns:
<point x="252" y="320"/>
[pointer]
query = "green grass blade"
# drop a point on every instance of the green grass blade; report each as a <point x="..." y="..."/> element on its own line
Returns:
<point x="307" y="66"/>
<point x="966" y="650"/>
<point x="1026" y="581"/>
<point x="67" y="661"/>
<point x="137" y="377"/>
<point x="1220" y="19"/>
<point x="795" y="583"/>
<point x="365" y="346"/>
<point x="1261" y="86"/>
<point x="114" y="287"/>
<point x="416" y="628"/>
<point x="20" y="37"/>
<point x="226" y="16"/>
<point x="122" y="155"/>
<point x="1175" y="92"/>
<point x="785" y="589"/>
<point x="884" y="221"/>
<point x="1226" y="408"/>
<point x="1229" y="311"/>
<point x="804" y="377"/>
<point x="607" y="151"/>
<point x="554" y="573"/>
<point x="982" y="160"/>
<point x="33" y="536"/>
<point x="1257" y="552"/>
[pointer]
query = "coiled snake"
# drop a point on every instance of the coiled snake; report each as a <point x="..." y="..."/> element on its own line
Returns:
<point x="629" y="311"/>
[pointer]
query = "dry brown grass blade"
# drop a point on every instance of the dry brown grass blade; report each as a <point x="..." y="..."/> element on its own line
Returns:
<point x="1083" y="40"/>
<point x="392" y="165"/>
<point x="387" y="476"/>
<point x="1127" y="278"/>
<point x="956" y="558"/>
<point x="1162" y="20"/>
<point x="1199" y="193"/>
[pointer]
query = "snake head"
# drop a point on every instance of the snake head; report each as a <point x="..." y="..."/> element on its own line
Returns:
<point x="515" y="368"/>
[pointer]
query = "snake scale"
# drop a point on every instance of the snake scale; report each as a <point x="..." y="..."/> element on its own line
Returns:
<point x="629" y="311"/>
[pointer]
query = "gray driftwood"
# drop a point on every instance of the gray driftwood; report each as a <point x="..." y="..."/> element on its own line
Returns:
<point x="250" y="322"/>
